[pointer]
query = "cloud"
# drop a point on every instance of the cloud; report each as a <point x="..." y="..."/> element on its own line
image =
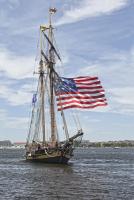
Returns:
<point x="14" y="3"/>
<point x="3" y="114"/>
<point x="16" y="84"/>
<point x="91" y="8"/>
<point x="117" y="63"/>
<point x="115" y="70"/>
<point x="20" y="67"/>
<point x="16" y="95"/>
<point x="121" y="100"/>
<point x="18" y="123"/>
<point x="13" y="122"/>
<point x="5" y="17"/>
<point x="17" y="67"/>
<point x="123" y="96"/>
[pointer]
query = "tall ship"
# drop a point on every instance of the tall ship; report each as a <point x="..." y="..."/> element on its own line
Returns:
<point x="53" y="95"/>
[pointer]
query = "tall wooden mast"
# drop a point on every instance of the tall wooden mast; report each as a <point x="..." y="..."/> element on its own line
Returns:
<point x="41" y="78"/>
<point x="51" y="77"/>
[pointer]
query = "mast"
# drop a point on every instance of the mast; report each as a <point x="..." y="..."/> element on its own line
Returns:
<point x="51" y="77"/>
<point x="48" y="78"/>
<point x="42" y="92"/>
<point x="42" y="101"/>
<point x="50" y="63"/>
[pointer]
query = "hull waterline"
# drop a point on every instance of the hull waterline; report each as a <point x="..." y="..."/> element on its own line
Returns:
<point x="51" y="160"/>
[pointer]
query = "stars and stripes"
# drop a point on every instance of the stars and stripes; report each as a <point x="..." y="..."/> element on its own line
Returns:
<point x="80" y="92"/>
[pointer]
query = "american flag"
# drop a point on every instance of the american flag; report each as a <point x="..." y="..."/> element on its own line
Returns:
<point x="80" y="92"/>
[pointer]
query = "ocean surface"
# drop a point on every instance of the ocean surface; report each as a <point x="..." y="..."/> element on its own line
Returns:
<point x="92" y="174"/>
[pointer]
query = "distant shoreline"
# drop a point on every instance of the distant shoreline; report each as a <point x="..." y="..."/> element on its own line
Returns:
<point x="84" y="144"/>
<point x="114" y="144"/>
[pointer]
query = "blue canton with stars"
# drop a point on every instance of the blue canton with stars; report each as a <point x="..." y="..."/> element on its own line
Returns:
<point x="65" y="85"/>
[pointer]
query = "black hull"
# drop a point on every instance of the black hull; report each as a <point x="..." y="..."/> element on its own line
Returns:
<point x="51" y="160"/>
<point x="51" y="155"/>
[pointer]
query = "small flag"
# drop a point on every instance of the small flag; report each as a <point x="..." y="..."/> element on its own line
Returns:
<point x="52" y="10"/>
<point x="80" y="92"/>
<point x="34" y="99"/>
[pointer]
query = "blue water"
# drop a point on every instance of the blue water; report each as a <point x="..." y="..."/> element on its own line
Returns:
<point x="92" y="174"/>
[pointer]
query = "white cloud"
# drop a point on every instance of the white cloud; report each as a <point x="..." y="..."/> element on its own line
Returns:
<point x="123" y="95"/>
<point x="121" y="100"/>
<point x="5" y="18"/>
<point x="16" y="66"/>
<point x="4" y="22"/>
<point x="116" y="72"/>
<point x="91" y="8"/>
<point x="14" y="2"/>
<point x="18" y="123"/>
<point x="19" y="98"/>
<point x="20" y="67"/>
<point x="13" y="122"/>
<point x="3" y="114"/>
<point x="16" y="96"/>
<point x="116" y="67"/>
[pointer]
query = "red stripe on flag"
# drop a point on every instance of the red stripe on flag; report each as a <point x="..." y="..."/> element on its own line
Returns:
<point x="84" y="92"/>
<point x="88" y="87"/>
<point x="89" y="83"/>
<point x="80" y="102"/>
<point x="80" y="97"/>
<point x="88" y="78"/>
<point x="82" y="107"/>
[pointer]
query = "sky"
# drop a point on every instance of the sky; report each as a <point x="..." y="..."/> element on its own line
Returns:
<point x="94" y="37"/>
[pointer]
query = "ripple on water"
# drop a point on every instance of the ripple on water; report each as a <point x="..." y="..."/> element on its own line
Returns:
<point x="106" y="174"/>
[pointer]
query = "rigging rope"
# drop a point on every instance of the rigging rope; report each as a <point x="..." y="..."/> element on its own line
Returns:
<point x="36" y="117"/>
<point x="75" y="116"/>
